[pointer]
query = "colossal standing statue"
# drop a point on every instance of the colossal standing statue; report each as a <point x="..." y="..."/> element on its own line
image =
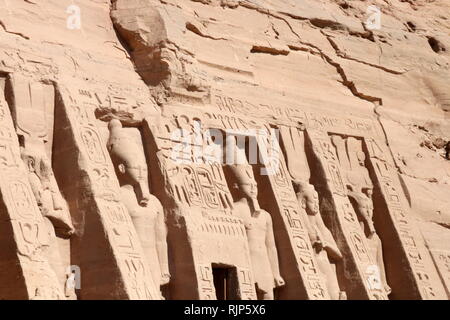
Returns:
<point x="325" y="247"/>
<point x="363" y="204"/>
<point x="360" y="190"/>
<point x="258" y="224"/>
<point x="144" y="208"/>
<point x="32" y="108"/>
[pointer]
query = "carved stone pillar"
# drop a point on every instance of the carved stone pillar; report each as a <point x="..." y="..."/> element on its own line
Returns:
<point x="106" y="245"/>
<point x="25" y="272"/>
<point x="203" y="234"/>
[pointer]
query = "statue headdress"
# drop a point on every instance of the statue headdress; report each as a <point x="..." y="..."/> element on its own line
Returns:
<point x="242" y="173"/>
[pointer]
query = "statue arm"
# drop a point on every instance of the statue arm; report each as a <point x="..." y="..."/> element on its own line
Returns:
<point x="272" y="251"/>
<point x="313" y="233"/>
<point x="61" y="217"/>
<point x="309" y="223"/>
<point x="329" y="243"/>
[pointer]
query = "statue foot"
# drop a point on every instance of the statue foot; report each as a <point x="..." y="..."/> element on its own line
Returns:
<point x="387" y="289"/>
<point x="342" y="295"/>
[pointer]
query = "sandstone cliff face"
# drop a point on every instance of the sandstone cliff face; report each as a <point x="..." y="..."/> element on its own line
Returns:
<point x="97" y="95"/>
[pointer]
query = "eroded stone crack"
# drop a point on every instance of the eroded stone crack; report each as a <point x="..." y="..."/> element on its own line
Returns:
<point x="193" y="28"/>
<point x="269" y="50"/>
<point x="12" y="32"/>
<point x="345" y="56"/>
<point x="345" y="80"/>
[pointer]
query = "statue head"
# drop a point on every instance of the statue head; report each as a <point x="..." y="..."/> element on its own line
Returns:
<point x="308" y="196"/>
<point x="36" y="162"/>
<point x="29" y="160"/>
<point x="245" y="180"/>
<point x="362" y="200"/>
<point x="368" y="191"/>
<point x="129" y="161"/>
<point x="137" y="176"/>
<point x="361" y="158"/>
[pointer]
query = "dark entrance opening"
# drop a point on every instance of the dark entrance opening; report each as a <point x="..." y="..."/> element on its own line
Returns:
<point x="225" y="282"/>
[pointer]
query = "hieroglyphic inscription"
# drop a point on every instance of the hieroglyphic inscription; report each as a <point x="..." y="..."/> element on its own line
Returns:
<point x="442" y="260"/>
<point x="288" y="207"/>
<point x="30" y="232"/>
<point x="199" y="189"/>
<point x="109" y="97"/>
<point x="104" y="190"/>
<point x="222" y="225"/>
<point x="351" y="230"/>
<point x="206" y="283"/>
<point x="418" y="257"/>
<point x="246" y="284"/>
<point x="26" y="62"/>
<point x="233" y="109"/>
<point x="194" y="182"/>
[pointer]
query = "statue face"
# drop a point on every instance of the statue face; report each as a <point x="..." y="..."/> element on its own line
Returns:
<point x="364" y="203"/>
<point x="246" y="183"/>
<point x="249" y="189"/>
<point x="135" y="171"/>
<point x="312" y="201"/>
<point x="366" y="209"/>
<point x="137" y="174"/>
<point x="361" y="158"/>
<point x="368" y="192"/>
<point x="308" y="196"/>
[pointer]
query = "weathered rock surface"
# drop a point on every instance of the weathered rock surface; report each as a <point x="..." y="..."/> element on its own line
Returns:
<point x="106" y="114"/>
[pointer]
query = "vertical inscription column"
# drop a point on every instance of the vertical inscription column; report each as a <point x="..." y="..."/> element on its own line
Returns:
<point x="24" y="272"/>
<point x="442" y="260"/>
<point x="202" y="229"/>
<point x="358" y="263"/>
<point x="424" y="278"/>
<point x="293" y="226"/>
<point x="206" y="283"/>
<point x="246" y="283"/>
<point x="112" y="259"/>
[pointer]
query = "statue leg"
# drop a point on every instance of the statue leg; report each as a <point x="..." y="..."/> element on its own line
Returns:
<point x="267" y="296"/>
<point x="53" y="255"/>
<point x="263" y="294"/>
<point x="329" y="272"/>
<point x="380" y="262"/>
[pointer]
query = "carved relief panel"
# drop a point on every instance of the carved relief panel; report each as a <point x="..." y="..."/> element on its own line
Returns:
<point x="199" y="203"/>
<point x="29" y="232"/>
<point x="354" y="169"/>
<point x="32" y="105"/>
<point x="325" y="248"/>
<point x="299" y="268"/>
<point x="99" y="200"/>
<point x="396" y="209"/>
<point x="358" y="261"/>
